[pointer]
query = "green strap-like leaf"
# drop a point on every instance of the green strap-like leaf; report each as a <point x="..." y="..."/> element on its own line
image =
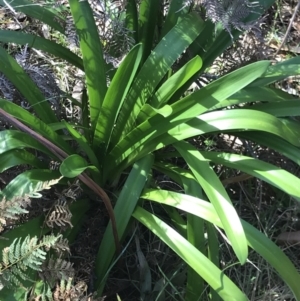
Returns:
<point x="278" y="72"/>
<point x="221" y="121"/>
<point x="218" y="196"/>
<point x="33" y="41"/>
<point x="131" y="19"/>
<point x="254" y="94"/>
<point x="274" y="142"/>
<point x="153" y="71"/>
<point x="12" y="70"/>
<point x="195" y="259"/>
<point x="34" y="123"/>
<point x="169" y="87"/>
<point x="267" y="172"/>
<point x="17" y="157"/>
<point x="256" y="240"/>
<point x="11" y="139"/>
<point x="83" y="144"/>
<point x="92" y="54"/>
<point x="125" y="205"/>
<point x="280" y="109"/>
<point x="37" y="11"/>
<point x="183" y="110"/>
<point x="115" y="96"/>
<point x="148" y="13"/>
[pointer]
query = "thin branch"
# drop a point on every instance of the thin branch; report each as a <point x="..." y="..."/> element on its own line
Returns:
<point x="289" y="28"/>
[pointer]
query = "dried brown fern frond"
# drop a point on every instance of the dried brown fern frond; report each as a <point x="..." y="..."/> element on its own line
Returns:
<point x="59" y="216"/>
<point x="56" y="269"/>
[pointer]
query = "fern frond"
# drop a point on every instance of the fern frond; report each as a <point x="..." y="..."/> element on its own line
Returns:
<point x="60" y="216"/>
<point x="42" y="186"/>
<point x="56" y="269"/>
<point x="21" y="255"/>
<point x="9" y="209"/>
<point x="62" y="246"/>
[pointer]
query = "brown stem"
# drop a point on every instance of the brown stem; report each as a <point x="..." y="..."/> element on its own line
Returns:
<point x="59" y="153"/>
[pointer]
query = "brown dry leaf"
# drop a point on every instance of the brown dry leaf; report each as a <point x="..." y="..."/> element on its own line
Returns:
<point x="289" y="237"/>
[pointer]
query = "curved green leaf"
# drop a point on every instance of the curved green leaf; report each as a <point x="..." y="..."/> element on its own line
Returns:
<point x="12" y="70"/>
<point x="153" y="71"/>
<point x="34" y="123"/>
<point x="124" y="207"/>
<point x="195" y="259"/>
<point x="280" y="109"/>
<point x="183" y="110"/>
<point x="267" y="172"/>
<point x="11" y="139"/>
<point x="218" y="196"/>
<point x="273" y="142"/>
<point x="115" y="96"/>
<point x="169" y="87"/>
<point x="37" y="11"/>
<point x="17" y="157"/>
<point x="21" y="38"/>
<point x="93" y="61"/>
<point x="278" y="72"/>
<point x="256" y="240"/>
<point x="220" y="121"/>
<point x="83" y="144"/>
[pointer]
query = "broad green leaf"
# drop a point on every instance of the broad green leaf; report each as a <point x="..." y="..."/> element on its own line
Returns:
<point x="35" y="123"/>
<point x="11" y="139"/>
<point x="278" y="72"/>
<point x="169" y="87"/>
<point x="195" y="259"/>
<point x="183" y="111"/>
<point x="153" y="71"/>
<point x="17" y="157"/>
<point x="115" y="96"/>
<point x="37" y="11"/>
<point x="92" y="54"/>
<point x="74" y="165"/>
<point x="33" y="41"/>
<point x="218" y="196"/>
<point x="267" y="172"/>
<point x="124" y="207"/>
<point x="256" y="240"/>
<point x="30" y="182"/>
<point x="12" y="70"/>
